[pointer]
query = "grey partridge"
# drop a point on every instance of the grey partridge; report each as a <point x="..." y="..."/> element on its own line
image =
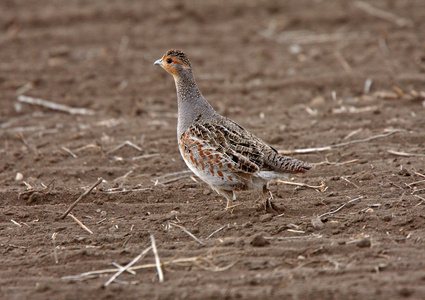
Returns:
<point x="218" y="150"/>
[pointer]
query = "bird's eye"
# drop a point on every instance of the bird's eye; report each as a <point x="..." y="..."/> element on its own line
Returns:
<point x="169" y="60"/>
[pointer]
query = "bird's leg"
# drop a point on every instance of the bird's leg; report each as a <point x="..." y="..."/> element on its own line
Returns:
<point x="230" y="197"/>
<point x="266" y="201"/>
<point x="229" y="203"/>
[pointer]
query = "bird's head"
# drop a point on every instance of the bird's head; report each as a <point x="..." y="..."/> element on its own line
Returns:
<point x="174" y="62"/>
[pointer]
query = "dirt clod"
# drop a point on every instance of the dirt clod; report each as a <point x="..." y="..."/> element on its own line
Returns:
<point x="317" y="224"/>
<point x="266" y="217"/>
<point x="364" y="243"/>
<point x="259" y="241"/>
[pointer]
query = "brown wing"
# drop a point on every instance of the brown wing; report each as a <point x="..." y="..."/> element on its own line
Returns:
<point x="229" y="143"/>
<point x="225" y="147"/>
<point x="254" y="149"/>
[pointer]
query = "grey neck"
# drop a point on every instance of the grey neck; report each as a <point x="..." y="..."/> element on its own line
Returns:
<point x="191" y="104"/>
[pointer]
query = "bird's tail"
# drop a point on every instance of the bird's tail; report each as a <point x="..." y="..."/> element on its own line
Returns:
<point x="286" y="164"/>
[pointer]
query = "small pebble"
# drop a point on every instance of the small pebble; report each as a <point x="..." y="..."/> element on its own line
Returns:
<point x="369" y="210"/>
<point x="317" y="101"/>
<point x="19" y="176"/>
<point x="364" y="243"/>
<point x="367" y="176"/>
<point x="247" y="225"/>
<point x="317" y="224"/>
<point x="405" y="292"/>
<point x="171" y="215"/>
<point x="41" y="287"/>
<point x="386" y="218"/>
<point x="259" y="241"/>
<point x="404" y="172"/>
<point x="266" y="217"/>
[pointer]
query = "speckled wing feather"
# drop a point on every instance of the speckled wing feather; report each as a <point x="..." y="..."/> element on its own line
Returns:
<point x="226" y="145"/>
<point x="266" y="157"/>
<point x="212" y="147"/>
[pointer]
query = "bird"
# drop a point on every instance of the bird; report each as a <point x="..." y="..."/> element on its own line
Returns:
<point x="218" y="150"/>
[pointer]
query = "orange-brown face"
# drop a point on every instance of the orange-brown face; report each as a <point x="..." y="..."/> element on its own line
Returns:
<point x="171" y="64"/>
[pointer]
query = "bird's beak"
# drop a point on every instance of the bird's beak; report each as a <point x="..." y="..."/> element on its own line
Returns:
<point x="158" y="62"/>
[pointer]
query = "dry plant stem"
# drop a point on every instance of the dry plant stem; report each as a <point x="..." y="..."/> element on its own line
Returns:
<point x="382" y="14"/>
<point x="179" y="261"/>
<point x="417" y="191"/>
<point x="16" y="223"/>
<point x="422" y="198"/>
<point x="26" y="143"/>
<point x="187" y="232"/>
<point x="214" y="267"/>
<point x="419" y="174"/>
<point x="145" y="156"/>
<point x="88" y="147"/>
<point x="354" y="241"/>
<point x="69" y="151"/>
<point x="49" y="187"/>
<point x="55" y="253"/>
<point x="354" y="110"/>
<point x="157" y="261"/>
<point x="174" y="174"/>
<point x="345" y="179"/>
<point x="339" y="208"/>
<point x="123" y="144"/>
<point x="55" y="106"/>
<point x="417" y="196"/>
<point x="335" y="263"/>
<point x="347" y="162"/>
<point x="191" y="260"/>
<point x="123" y="46"/>
<point x="29" y="186"/>
<point x="194" y="260"/>
<point x="80" y="223"/>
<point x="313" y="236"/>
<point x="173" y="180"/>
<point x="383" y="45"/>
<point x="218" y="230"/>
<point x="316" y="187"/>
<point x="405" y="154"/>
<point x="126" y="191"/>
<point x="335" y="163"/>
<point x="99" y="181"/>
<point x="32" y="192"/>
<point x="352" y="133"/>
<point x="416" y="182"/>
<point x="296" y="231"/>
<point x="124" y="176"/>
<point x="346" y="66"/>
<point x="121" y="267"/>
<point x="320" y="149"/>
<point x="144" y="252"/>
<point x="367" y="85"/>
<point x="31" y="198"/>
<point x="25" y="88"/>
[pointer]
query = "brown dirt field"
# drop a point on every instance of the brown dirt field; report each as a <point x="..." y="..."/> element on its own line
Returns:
<point x="291" y="72"/>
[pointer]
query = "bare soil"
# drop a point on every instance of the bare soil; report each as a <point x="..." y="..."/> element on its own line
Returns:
<point x="291" y="72"/>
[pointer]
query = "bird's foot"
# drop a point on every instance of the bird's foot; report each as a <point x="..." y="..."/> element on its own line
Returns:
<point x="266" y="204"/>
<point x="269" y="207"/>
<point x="230" y="206"/>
